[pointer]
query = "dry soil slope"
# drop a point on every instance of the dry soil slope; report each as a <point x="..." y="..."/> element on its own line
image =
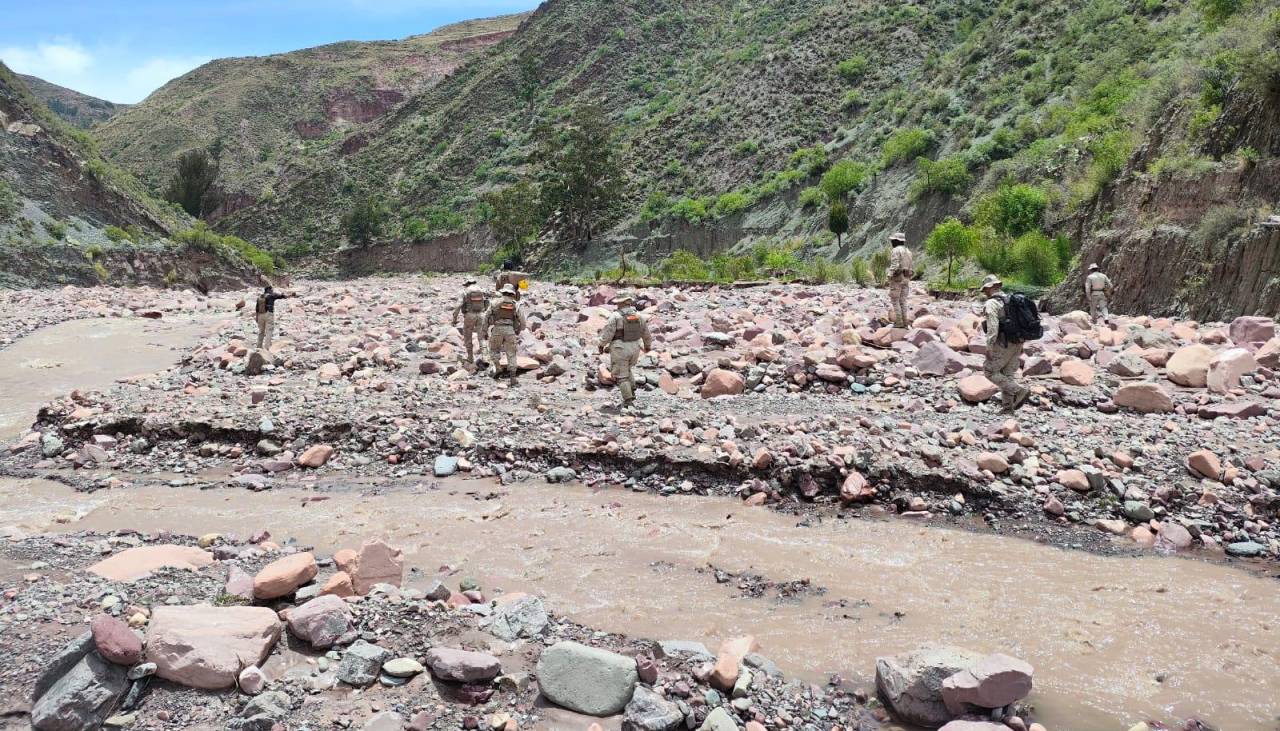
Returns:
<point x="272" y="114"/>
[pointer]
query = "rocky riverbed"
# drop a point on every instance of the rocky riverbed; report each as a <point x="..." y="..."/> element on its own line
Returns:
<point x="1144" y="435"/>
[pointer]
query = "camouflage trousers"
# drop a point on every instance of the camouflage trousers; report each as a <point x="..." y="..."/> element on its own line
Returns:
<point x="899" y="288"/>
<point x="473" y="335"/>
<point x="502" y="342"/>
<point x="1098" y="306"/>
<point x="266" y="328"/>
<point x="623" y="357"/>
<point x="1001" y="368"/>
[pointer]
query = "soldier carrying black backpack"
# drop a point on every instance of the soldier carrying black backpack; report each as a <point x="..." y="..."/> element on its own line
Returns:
<point x="1011" y="321"/>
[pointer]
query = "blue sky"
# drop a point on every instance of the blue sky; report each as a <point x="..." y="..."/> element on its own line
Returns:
<point x="122" y="50"/>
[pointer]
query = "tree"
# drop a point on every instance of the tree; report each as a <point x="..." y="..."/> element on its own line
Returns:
<point x="8" y="202"/>
<point x="843" y="177"/>
<point x="838" y="221"/>
<point x="949" y="176"/>
<point x="192" y="185"/>
<point x="1013" y="210"/>
<point x="530" y="78"/>
<point x="363" y="223"/>
<point x="951" y="240"/>
<point x="516" y="216"/>
<point x="580" y="169"/>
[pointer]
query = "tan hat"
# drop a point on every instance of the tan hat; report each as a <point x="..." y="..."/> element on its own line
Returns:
<point x="991" y="281"/>
<point x="508" y="289"/>
<point x="469" y="280"/>
<point x="1093" y="267"/>
<point x="624" y="299"/>
<point x="899" y="236"/>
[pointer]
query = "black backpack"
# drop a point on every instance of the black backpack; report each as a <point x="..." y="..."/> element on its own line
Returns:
<point x="1021" y="321"/>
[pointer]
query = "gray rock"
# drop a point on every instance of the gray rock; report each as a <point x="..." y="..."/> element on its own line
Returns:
<point x="561" y="474"/>
<point x="1246" y="549"/>
<point x="437" y="591"/>
<point x="402" y="667"/>
<point x="51" y="446"/>
<point x="142" y="670"/>
<point x="462" y="666"/>
<point x="524" y="618"/>
<point x="676" y="648"/>
<point x="82" y="698"/>
<point x="58" y="665"/>
<point x="586" y="679"/>
<point x="648" y="711"/>
<point x="718" y="720"/>
<point x="361" y="663"/>
<point x="273" y="704"/>
<point x="763" y="664"/>
<point x="1138" y="511"/>
<point x="911" y="684"/>
<point x="445" y="465"/>
<point x="385" y="721"/>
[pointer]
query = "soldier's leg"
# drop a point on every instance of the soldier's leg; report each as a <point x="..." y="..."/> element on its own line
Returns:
<point x="633" y="359"/>
<point x="996" y="368"/>
<point x="495" y="347"/>
<point x="271" y="325"/>
<point x="900" y="289"/>
<point x="509" y="347"/>
<point x="468" y="337"/>
<point x="262" y="329"/>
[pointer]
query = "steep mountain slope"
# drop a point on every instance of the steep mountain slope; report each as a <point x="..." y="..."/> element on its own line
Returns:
<point x="67" y="216"/>
<point x="268" y="115"/>
<point x="82" y="110"/>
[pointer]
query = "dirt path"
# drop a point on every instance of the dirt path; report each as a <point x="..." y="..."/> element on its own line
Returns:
<point x="1112" y="639"/>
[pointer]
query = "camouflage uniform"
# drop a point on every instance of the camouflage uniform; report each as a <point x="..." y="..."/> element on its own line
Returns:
<point x="504" y="320"/>
<point x="471" y="307"/>
<point x="1097" y="287"/>
<point x="625" y="334"/>
<point x="901" y="271"/>
<point x="1003" y="358"/>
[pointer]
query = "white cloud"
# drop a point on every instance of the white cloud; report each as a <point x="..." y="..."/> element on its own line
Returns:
<point x="108" y="74"/>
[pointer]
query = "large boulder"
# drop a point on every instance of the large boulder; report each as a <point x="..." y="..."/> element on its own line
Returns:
<point x="462" y="666"/>
<point x="936" y="359"/>
<point x="140" y="561"/>
<point x="58" y="665"/>
<point x="911" y="683"/>
<point x="586" y="679"/>
<point x="1268" y="356"/>
<point x="648" y="711"/>
<point x="1145" y="398"/>
<point x="377" y="562"/>
<point x="322" y="622"/>
<point x="1075" y="372"/>
<point x="283" y="576"/>
<point x="207" y="647"/>
<point x="1227" y="367"/>
<point x="976" y="388"/>
<point x="1190" y="366"/>
<point x="82" y="698"/>
<point x="1250" y="331"/>
<point x="995" y="681"/>
<point x="721" y="382"/>
<point x="521" y="619"/>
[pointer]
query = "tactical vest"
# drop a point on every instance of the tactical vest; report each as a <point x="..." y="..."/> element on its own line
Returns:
<point x="476" y="302"/>
<point x="632" y="328"/>
<point x="505" y="313"/>
<point x="261" y="306"/>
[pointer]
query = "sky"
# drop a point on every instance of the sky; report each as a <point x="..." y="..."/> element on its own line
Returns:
<point x="122" y="50"/>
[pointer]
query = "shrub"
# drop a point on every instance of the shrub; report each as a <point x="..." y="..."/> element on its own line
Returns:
<point x="657" y="205"/>
<point x="414" y="229"/>
<point x="851" y="69"/>
<point x="693" y="210"/>
<point x="859" y="271"/>
<point x="948" y="176"/>
<point x="250" y="253"/>
<point x="57" y="229"/>
<point x="731" y="203"/>
<point x="1216" y="12"/>
<point x="1110" y="153"/>
<point x="843" y="178"/>
<point x="780" y="261"/>
<point x="1218" y="224"/>
<point x="685" y="266"/>
<point x="811" y="196"/>
<point x="117" y="234"/>
<point x="809" y="160"/>
<point x="8" y="202"/>
<point x="1012" y="210"/>
<point x="838" y="220"/>
<point x="905" y="144"/>
<point x="746" y="148"/>
<point x="880" y="266"/>
<point x="364" y="222"/>
<point x="951" y="240"/>
<point x="1037" y="259"/>
<point x="993" y="254"/>
<point x="93" y="252"/>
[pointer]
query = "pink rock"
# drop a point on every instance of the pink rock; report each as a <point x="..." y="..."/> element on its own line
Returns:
<point x="338" y="585"/>
<point x="976" y="388"/>
<point x="1190" y="366"/>
<point x="995" y="681"/>
<point x="462" y="666"/>
<point x="728" y="661"/>
<point x="283" y="576"/>
<point x="316" y="456"/>
<point x="936" y="359"/>
<point x="1227" y="367"/>
<point x="1074" y="479"/>
<point x="140" y="561"/>
<point x="1075" y="372"/>
<point x="1205" y="464"/>
<point x="206" y="647"/>
<point x="721" y="382"/>
<point x="762" y="460"/>
<point x="995" y="463"/>
<point x="115" y="641"/>
<point x="855" y="489"/>
<point x="322" y="621"/>
<point x="1053" y="506"/>
<point x="238" y="583"/>
<point x="1268" y="356"/>
<point x="1146" y="398"/>
<point x="377" y="563"/>
<point x="1174" y="535"/>
<point x="1252" y="331"/>
<point x="252" y="681"/>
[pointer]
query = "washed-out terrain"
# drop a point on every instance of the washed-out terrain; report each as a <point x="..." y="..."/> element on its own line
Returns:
<point x="804" y="499"/>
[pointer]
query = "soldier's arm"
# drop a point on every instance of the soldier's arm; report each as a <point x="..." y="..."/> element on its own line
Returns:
<point x="993" y="318"/>
<point x="607" y="332"/>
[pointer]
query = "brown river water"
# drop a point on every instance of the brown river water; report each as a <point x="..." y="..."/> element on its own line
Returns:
<point x="1099" y="630"/>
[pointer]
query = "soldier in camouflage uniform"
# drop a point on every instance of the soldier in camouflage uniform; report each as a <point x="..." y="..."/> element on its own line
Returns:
<point x="901" y="271"/>
<point x="504" y="321"/>
<point x="625" y="336"/>
<point x="471" y="308"/>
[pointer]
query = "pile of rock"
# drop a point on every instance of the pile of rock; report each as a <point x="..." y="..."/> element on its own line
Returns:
<point x="935" y="686"/>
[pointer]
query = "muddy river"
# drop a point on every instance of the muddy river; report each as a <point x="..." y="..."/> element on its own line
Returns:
<point x="1113" y="640"/>
<point x="88" y="355"/>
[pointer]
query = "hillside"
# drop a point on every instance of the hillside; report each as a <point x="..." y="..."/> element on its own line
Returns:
<point x="269" y="116"/>
<point x="728" y="113"/>
<point x="67" y="216"/>
<point x="82" y="110"/>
